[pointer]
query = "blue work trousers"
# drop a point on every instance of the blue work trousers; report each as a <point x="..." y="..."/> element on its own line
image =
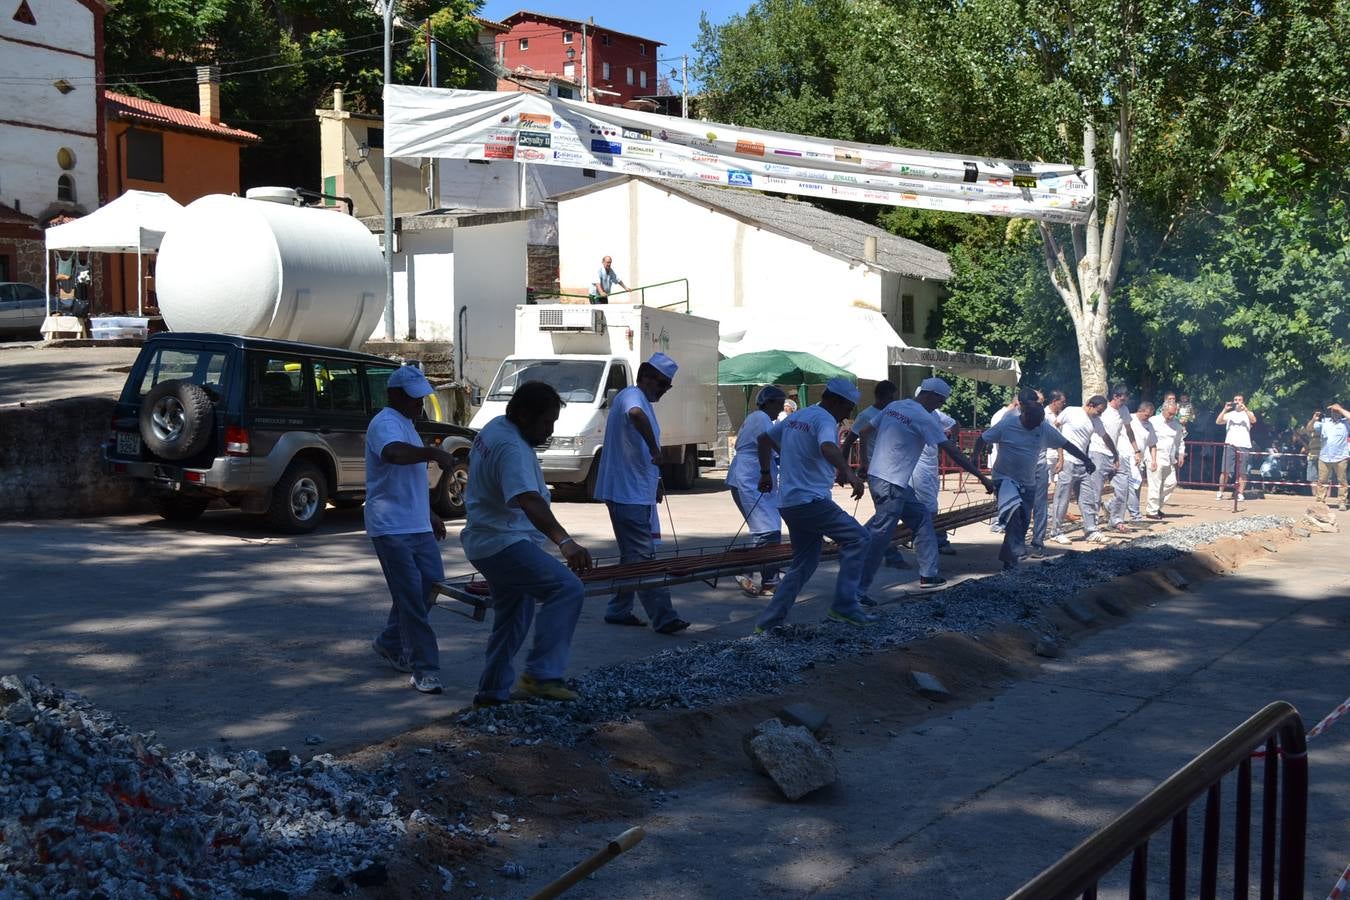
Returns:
<point x="521" y="576"/>
<point x="632" y="523"/>
<point x="768" y="574"/>
<point x="412" y="566"/>
<point x="1015" y="530"/>
<point x="896" y="504"/>
<point x="808" y="526"/>
<point x="1040" y="506"/>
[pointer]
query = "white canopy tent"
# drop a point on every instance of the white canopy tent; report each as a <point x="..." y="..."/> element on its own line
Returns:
<point x="133" y="223"/>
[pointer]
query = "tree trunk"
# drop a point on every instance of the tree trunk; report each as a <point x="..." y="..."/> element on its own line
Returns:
<point x="1086" y="282"/>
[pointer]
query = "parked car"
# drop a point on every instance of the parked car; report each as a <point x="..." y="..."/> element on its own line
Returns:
<point x="22" y="309"/>
<point x="273" y="427"/>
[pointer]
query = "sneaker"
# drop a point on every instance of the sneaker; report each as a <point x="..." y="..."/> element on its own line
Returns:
<point x="544" y="689"/>
<point x="1062" y="539"/>
<point x="1121" y="528"/>
<point x="1098" y="537"/>
<point x="1218" y="495"/>
<point x="856" y="619"/>
<point x="767" y="588"/>
<point x="426" y="683"/>
<point x="748" y="585"/>
<point x="629" y="619"/>
<point x="398" y="662"/>
<point x="483" y="701"/>
<point x="935" y="581"/>
<point x="674" y="626"/>
<point x="1241" y="497"/>
<point x="1036" y="553"/>
<point x="758" y="630"/>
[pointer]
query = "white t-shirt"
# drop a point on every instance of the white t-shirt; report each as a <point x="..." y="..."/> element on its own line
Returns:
<point x="804" y="475"/>
<point x="398" y="498"/>
<point x="503" y="467"/>
<point x="1334" y="445"/>
<point x="997" y="417"/>
<point x="904" y="428"/>
<point x="1051" y="454"/>
<point x="1113" y="423"/>
<point x="1077" y="427"/>
<point x="626" y="472"/>
<point x="1021" y="448"/>
<point x="1169" y="438"/>
<point x="1144" y="435"/>
<point x="867" y="415"/>
<point x="1239" y="430"/>
<point x="743" y="473"/>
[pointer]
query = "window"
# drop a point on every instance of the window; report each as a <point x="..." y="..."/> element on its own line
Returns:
<point x="337" y="386"/>
<point x="65" y="189"/>
<point x="604" y="39"/>
<point x="524" y="43"/>
<point x="587" y="173"/>
<point x="279" y="382"/>
<point x="618" y="379"/>
<point x="501" y="51"/>
<point x="907" y="313"/>
<point x="604" y="71"/>
<point x="566" y="93"/>
<point x="4" y="267"/>
<point x="204" y="367"/>
<point x="569" y="70"/>
<point x="377" y="384"/>
<point x="567" y="37"/>
<point x="375" y="138"/>
<point x="630" y="74"/>
<point x="642" y="48"/>
<point x="145" y="155"/>
<point x="642" y="79"/>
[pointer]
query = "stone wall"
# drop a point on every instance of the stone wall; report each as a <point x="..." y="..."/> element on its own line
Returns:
<point x="543" y="267"/>
<point x="51" y="462"/>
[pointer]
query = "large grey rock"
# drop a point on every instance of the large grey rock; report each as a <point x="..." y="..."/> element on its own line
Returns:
<point x="792" y="757"/>
<point x="810" y="717"/>
<point x="1047" y="647"/>
<point x="929" y="686"/>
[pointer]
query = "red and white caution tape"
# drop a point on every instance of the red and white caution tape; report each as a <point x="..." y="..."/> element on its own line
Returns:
<point x="1339" y="890"/>
<point x="1320" y="727"/>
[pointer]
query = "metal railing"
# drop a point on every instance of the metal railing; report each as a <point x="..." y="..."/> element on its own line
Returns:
<point x="1284" y="822"/>
<point x="640" y="292"/>
<point x="1271" y="470"/>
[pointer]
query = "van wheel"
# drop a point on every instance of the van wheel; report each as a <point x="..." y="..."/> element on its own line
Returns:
<point x="180" y="509"/>
<point x="683" y="474"/>
<point x="176" y="419"/>
<point x="298" y="499"/>
<point x="447" y="498"/>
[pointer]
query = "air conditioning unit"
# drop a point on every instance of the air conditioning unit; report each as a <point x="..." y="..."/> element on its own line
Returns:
<point x="576" y="320"/>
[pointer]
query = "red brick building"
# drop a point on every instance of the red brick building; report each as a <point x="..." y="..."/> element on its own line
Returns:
<point x="622" y="66"/>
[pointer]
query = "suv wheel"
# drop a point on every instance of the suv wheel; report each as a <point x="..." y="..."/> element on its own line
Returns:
<point x="180" y="509"/>
<point x="448" y="496"/>
<point x="298" y="499"/>
<point x="176" y="419"/>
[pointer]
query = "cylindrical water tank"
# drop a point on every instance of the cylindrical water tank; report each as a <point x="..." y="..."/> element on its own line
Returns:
<point x="238" y="266"/>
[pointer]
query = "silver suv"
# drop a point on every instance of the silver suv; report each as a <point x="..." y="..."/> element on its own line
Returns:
<point x="273" y="427"/>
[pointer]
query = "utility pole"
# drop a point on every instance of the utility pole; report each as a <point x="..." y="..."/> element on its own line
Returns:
<point x="388" y="182"/>
<point x="684" y="86"/>
<point x="585" y="66"/>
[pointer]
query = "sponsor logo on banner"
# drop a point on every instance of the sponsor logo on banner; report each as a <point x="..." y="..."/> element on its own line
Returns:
<point x="909" y="196"/>
<point x="816" y="154"/>
<point x="810" y="186"/>
<point x="610" y="147"/>
<point x="500" y="137"/>
<point x="740" y="178"/>
<point x="972" y="172"/>
<point x="499" y="150"/>
<point x="530" y="154"/>
<point x="775" y="182"/>
<point x="971" y="189"/>
<point x="999" y="182"/>
<point x="750" y="148"/>
<point x="849" y="179"/>
<point x="847" y="156"/>
<point x="569" y="156"/>
<point x="603" y="131"/>
<point x="782" y="152"/>
<point x="700" y="142"/>
<point x="709" y="176"/>
<point x="641" y="150"/>
<point x="530" y="139"/>
<point x="916" y="171"/>
<point x="1024" y="181"/>
<point x="876" y="195"/>
<point x="776" y="167"/>
<point x="535" y="120"/>
<point x="878" y="165"/>
<point x="637" y="134"/>
<point x="704" y="158"/>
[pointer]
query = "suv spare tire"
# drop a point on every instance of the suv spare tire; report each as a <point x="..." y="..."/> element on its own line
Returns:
<point x="447" y="497"/>
<point x="176" y="419"/>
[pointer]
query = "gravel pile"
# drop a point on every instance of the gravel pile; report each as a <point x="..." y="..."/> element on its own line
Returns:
<point x="89" y="809"/>
<point x="710" y="672"/>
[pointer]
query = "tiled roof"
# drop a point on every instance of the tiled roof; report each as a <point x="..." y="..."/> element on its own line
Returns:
<point x="11" y="216"/>
<point x="831" y="232"/>
<point x="121" y="106"/>
<point x="491" y="25"/>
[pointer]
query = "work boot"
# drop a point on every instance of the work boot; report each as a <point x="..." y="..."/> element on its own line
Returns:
<point x="544" y="689"/>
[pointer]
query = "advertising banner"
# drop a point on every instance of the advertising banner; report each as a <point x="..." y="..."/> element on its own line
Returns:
<point x="534" y="128"/>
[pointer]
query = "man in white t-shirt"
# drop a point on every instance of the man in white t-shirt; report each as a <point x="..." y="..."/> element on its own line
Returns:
<point x="760" y="511"/>
<point x="1079" y="425"/>
<point x="901" y="432"/>
<point x="809" y="465"/>
<point x="1333" y="458"/>
<point x="1237" y="443"/>
<point x="999" y="415"/>
<point x="403" y="528"/>
<point x="1024" y="438"/>
<point x="1166" y="456"/>
<point x="507" y="519"/>
<point x="882" y="396"/>
<point x="1145" y="439"/>
<point x="1107" y="452"/>
<point x="629" y="481"/>
<point x="1055" y="403"/>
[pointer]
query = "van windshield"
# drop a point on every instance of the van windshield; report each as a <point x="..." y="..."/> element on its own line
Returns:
<point x="575" y="380"/>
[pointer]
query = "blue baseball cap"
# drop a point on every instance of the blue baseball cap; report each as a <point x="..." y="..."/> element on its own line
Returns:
<point x="663" y="364"/>
<point x="411" y="381"/>
<point x="842" y="387"/>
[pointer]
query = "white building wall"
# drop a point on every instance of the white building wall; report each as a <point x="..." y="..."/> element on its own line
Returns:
<point x="490" y="282"/>
<point x="38" y="120"/>
<point x="734" y="270"/>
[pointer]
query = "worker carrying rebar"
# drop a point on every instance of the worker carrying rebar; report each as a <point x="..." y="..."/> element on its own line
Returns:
<point x="629" y="481"/>
<point x="900" y="433"/>
<point x="760" y="511"/>
<point x="809" y="465"/>
<point x="882" y="396"/>
<point x="1022" y="439"/>
<point x="508" y="518"/>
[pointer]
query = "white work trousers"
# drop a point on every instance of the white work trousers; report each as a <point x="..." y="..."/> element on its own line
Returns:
<point x="1161" y="482"/>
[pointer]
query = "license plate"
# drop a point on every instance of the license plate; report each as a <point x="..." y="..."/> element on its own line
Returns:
<point x="128" y="443"/>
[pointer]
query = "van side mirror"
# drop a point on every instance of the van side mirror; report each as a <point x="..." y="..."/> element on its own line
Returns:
<point x="610" y="395"/>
